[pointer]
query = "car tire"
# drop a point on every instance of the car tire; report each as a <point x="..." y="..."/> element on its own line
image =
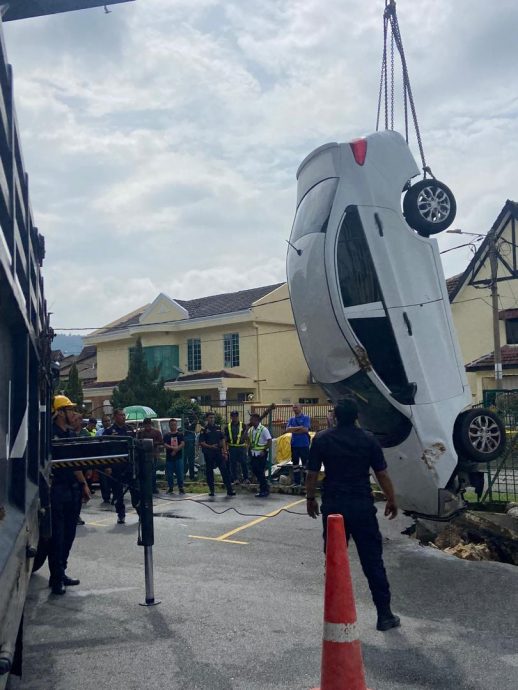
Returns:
<point x="429" y="207"/>
<point x="41" y="554"/>
<point x="479" y="435"/>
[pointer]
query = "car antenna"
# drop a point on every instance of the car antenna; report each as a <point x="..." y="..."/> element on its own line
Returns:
<point x="299" y="251"/>
<point x="390" y="20"/>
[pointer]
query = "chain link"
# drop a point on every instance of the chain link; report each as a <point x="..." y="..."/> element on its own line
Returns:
<point x="390" y="17"/>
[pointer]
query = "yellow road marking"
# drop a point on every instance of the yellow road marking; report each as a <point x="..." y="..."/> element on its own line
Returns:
<point x="224" y="537"/>
<point x="227" y="541"/>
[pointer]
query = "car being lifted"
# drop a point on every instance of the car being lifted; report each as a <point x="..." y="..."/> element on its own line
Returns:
<point x="373" y="316"/>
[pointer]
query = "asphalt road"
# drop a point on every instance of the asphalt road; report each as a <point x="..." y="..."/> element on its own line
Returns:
<point x="248" y="615"/>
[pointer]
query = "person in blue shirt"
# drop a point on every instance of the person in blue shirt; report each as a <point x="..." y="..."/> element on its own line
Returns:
<point x="299" y="426"/>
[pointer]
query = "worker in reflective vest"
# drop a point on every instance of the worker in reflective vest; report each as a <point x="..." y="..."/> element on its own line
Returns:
<point x="235" y="433"/>
<point x="259" y="443"/>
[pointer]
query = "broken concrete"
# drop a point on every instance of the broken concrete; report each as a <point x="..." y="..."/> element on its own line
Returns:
<point x="474" y="536"/>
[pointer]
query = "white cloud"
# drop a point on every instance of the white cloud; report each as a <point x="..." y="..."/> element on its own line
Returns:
<point x="162" y="139"/>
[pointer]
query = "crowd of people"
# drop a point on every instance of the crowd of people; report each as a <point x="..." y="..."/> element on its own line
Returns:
<point x="347" y="453"/>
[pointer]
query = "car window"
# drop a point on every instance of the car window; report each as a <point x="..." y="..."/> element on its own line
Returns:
<point x="356" y="272"/>
<point x="377" y="337"/>
<point x="314" y="209"/>
<point x="376" y="414"/>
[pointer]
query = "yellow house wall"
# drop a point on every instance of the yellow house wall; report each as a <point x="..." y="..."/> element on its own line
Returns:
<point x="112" y="360"/>
<point x="472" y="311"/>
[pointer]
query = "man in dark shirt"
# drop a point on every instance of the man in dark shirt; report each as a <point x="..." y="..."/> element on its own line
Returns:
<point x="348" y="454"/>
<point x="189" y="429"/>
<point x="212" y="441"/>
<point x="174" y="444"/>
<point x="149" y="432"/>
<point x="68" y="488"/>
<point x="120" y="474"/>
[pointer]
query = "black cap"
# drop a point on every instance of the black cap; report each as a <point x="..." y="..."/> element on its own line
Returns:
<point x="92" y="420"/>
<point x="234" y="413"/>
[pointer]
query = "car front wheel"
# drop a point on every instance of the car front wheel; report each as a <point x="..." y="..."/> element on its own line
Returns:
<point x="429" y="207"/>
<point x="479" y="435"/>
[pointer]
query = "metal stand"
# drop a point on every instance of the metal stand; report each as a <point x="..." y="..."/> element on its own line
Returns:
<point x="145" y="479"/>
<point x="148" y="568"/>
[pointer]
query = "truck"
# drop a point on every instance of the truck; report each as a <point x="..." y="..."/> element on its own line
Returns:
<point x="27" y="374"/>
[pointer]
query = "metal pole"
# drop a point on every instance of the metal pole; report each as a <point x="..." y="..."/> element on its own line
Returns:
<point x="497" y="355"/>
<point x="146" y="468"/>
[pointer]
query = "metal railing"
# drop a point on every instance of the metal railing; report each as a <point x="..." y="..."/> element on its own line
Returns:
<point x="502" y="476"/>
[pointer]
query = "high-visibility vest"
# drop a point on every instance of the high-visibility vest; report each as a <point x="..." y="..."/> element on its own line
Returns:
<point x="234" y="443"/>
<point x="255" y="435"/>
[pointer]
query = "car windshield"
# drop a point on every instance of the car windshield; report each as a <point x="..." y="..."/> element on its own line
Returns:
<point x="314" y="209"/>
<point x="356" y="272"/>
<point x="359" y="286"/>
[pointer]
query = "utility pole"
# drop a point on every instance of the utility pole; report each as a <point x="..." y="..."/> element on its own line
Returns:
<point x="497" y="355"/>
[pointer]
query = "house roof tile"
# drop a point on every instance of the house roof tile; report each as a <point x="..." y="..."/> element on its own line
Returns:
<point x="509" y="359"/>
<point x="225" y="303"/>
<point x="222" y="374"/>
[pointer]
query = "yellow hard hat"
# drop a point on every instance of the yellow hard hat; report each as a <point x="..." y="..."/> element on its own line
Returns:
<point x="61" y="401"/>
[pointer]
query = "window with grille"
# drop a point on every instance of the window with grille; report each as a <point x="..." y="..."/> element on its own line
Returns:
<point x="231" y="350"/>
<point x="194" y="354"/>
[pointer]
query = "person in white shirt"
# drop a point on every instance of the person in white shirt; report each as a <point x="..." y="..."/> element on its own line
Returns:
<point x="259" y="444"/>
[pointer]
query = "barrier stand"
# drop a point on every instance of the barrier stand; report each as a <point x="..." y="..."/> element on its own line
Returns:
<point x="145" y="460"/>
<point x="342" y="664"/>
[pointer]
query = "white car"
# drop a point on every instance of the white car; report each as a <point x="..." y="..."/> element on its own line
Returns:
<point x="373" y="316"/>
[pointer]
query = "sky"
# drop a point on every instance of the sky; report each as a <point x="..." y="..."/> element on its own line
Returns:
<point x="162" y="139"/>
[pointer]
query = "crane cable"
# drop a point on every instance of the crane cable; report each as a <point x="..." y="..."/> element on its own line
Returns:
<point x="390" y="19"/>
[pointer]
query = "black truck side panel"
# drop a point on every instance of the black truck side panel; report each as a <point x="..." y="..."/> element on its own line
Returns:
<point x="24" y="378"/>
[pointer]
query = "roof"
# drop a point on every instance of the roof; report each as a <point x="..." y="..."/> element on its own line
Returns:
<point x="101" y="384"/>
<point x="511" y="208"/>
<point x="85" y="361"/>
<point x="222" y="374"/>
<point x="451" y="283"/>
<point x="224" y="303"/>
<point x="509" y="359"/>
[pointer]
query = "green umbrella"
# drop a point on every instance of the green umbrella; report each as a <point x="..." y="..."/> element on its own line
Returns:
<point x="136" y="413"/>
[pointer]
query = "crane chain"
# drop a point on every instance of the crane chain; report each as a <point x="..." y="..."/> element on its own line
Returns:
<point x="390" y="17"/>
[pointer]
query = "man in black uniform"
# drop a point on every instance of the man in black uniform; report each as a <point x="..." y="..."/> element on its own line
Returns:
<point x="121" y="474"/>
<point x="67" y="490"/>
<point x="212" y="441"/>
<point x="348" y="453"/>
<point x="189" y="432"/>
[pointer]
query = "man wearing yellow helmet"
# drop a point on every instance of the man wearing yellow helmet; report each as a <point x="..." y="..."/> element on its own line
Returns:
<point x="67" y="489"/>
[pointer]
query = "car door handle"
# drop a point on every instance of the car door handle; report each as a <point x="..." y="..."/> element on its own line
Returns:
<point x="407" y="322"/>
<point x="379" y="224"/>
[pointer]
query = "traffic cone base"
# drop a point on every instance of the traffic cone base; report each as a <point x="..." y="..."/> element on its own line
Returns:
<point x="342" y="663"/>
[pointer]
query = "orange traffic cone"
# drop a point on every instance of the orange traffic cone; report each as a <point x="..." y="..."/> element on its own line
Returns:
<point x="342" y="664"/>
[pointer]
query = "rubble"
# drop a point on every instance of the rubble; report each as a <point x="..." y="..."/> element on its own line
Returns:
<point x="479" y="536"/>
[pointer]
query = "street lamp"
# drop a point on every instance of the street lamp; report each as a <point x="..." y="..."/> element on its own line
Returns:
<point x="493" y="263"/>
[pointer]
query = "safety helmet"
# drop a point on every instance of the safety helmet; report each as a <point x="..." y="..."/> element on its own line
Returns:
<point x="61" y="401"/>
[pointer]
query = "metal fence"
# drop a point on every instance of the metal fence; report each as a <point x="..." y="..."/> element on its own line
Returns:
<point x="502" y="476"/>
<point x="276" y="420"/>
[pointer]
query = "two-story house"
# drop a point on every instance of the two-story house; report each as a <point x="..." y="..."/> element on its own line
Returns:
<point x="239" y="346"/>
<point x="470" y="297"/>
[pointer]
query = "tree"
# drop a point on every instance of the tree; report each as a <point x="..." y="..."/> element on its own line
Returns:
<point x="73" y="388"/>
<point x="142" y="385"/>
<point x="181" y="406"/>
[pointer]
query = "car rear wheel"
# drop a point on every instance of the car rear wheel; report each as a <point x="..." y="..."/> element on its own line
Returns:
<point x="479" y="434"/>
<point x="429" y="207"/>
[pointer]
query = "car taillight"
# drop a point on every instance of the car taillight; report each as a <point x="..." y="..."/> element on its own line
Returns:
<point x="359" y="148"/>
